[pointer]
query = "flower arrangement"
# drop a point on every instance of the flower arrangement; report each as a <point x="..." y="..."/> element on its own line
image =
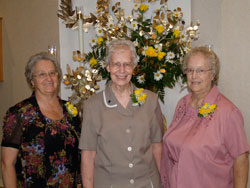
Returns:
<point x="206" y="110"/>
<point x="161" y="42"/>
<point x="138" y="97"/>
<point x="71" y="109"/>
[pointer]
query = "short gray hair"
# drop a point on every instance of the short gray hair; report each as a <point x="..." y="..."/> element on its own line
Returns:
<point x="29" y="69"/>
<point x="210" y="56"/>
<point x="117" y="44"/>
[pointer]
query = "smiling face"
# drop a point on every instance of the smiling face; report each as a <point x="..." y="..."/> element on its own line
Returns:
<point x="45" y="78"/>
<point x="199" y="80"/>
<point x="121" y="67"/>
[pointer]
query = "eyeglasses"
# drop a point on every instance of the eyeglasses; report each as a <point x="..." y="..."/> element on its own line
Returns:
<point x="44" y="75"/>
<point x="118" y="65"/>
<point x="197" y="71"/>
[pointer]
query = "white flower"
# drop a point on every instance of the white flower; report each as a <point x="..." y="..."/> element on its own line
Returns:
<point x="135" y="43"/>
<point x="99" y="31"/>
<point x="111" y="24"/>
<point x="183" y="37"/>
<point x="121" y="24"/>
<point x="157" y="75"/>
<point x="140" y="79"/>
<point x="170" y="55"/>
<point x="102" y="63"/>
<point x="186" y="50"/>
<point x="134" y="25"/>
<point x="93" y="42"/>
<point x="158" y="47"/>
<point x="144" y="50"/>
<point x="136" y="6"/>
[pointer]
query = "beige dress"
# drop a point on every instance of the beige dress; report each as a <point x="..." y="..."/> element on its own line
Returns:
<point x="122" y="139"/>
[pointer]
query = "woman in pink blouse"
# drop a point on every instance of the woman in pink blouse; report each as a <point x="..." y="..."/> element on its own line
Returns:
<point x="205" y="146"/>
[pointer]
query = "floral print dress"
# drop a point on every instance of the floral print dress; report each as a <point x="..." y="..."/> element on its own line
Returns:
<point x="48" y="149"/>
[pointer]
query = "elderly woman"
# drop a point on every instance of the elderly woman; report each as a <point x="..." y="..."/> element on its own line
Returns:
<point x="40" y="134"/>
<point x="121" y="137"/>
<point x="206" y="145"/>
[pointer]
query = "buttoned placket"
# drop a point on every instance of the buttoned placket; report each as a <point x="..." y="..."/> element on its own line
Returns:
<point x="112" y="103"/>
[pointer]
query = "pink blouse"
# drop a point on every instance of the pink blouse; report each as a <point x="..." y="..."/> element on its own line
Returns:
<point x="198" y="152"/>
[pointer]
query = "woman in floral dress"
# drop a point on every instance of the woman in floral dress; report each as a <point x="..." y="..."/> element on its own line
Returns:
<point x="40" y="134"/>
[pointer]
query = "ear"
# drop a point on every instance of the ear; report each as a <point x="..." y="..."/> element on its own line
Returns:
<point x="108" y="68"/>
<point x="32" y="84"/>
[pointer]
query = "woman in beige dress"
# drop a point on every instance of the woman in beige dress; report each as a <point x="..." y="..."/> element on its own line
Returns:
<point x="121" y="139"/>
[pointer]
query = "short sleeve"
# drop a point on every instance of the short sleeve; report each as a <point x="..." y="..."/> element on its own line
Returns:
<point x="12" y="130"/>
<point x="88" y="138"/>
<point x="235" y="137"/>
<point x="157" y="125"/>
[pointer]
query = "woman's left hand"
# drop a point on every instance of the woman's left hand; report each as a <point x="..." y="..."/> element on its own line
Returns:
<point x="241" y="166"/>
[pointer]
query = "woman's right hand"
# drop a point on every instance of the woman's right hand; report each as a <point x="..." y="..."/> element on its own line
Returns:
<point x="8" y="161"/>
<point x="87" y="168"/>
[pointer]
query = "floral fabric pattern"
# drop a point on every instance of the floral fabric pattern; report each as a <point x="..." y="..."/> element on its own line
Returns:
<point x="48" y="149"/>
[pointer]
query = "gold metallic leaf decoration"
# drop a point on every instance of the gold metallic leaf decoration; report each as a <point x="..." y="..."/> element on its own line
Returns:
<point x="69" y="16"/>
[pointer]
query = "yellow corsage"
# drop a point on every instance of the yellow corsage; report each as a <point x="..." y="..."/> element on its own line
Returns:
<point x="138" y="97"/>
<point x="71" y="109"/>
<point x="206" y="109"/>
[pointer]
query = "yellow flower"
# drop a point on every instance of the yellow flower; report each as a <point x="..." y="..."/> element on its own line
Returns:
<point x="74" y="111"/>
<point x="205" y="105"/>
<point x="99" y="40"/>
<point x="92" y="62"/>
<point x="151" y="52"/>
<point x="138" y="97"/>
<point x="206" y="110"/>
<point x="161" y="55"/>
<point x="212" y="107"/>
<point x="159" y="29"/>
<point x="138" y="91"/>
<point x="71" y="109"/>
<point x="176" y="33"/>
<point x="143" y="7"/>
<point x="163" y="71"/>
<point x="202" y="110"/>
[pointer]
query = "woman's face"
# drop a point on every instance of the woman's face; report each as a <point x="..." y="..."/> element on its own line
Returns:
<point x="199" y="74"/>
<point x="121" y="67"/>
<point x="45" y="78"/>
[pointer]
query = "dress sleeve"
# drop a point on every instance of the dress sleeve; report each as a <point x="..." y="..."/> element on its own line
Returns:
<point x="12" y="130"/>
<point x="157" y="125"/>
<point x="235" y="137"/>
<point x="88" y="138"/>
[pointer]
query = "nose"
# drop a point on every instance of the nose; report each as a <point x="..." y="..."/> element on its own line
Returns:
<point x="194" y="74"/>
<point x="122" y="68"/>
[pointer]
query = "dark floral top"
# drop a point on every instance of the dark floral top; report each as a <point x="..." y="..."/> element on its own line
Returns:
<point x="48" y="149"/>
